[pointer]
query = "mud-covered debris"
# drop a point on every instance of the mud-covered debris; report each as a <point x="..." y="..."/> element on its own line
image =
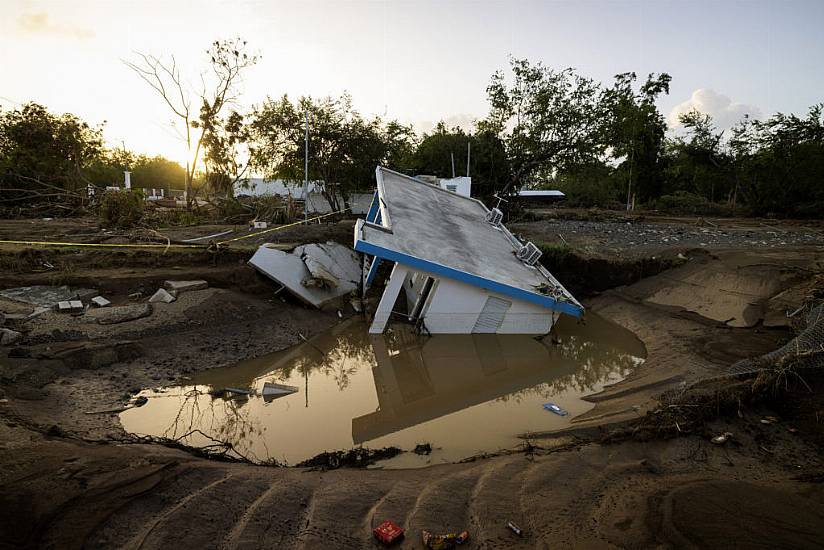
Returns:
<point x="721" y="439"/>
<point x="177" y="287"/>
<point x="122" y="314"/>
<point x="423" y="449"/>
<point x="9" y="337"/>
<point x="229" y="392"/>
<point x="514" y="528"/>
<point x="353" y="458"/>
<point x="443" y="542"/>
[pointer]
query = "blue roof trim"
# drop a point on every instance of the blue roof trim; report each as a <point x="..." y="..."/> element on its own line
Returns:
<point x="373" y="269"/>
<point x="374" y="208"/>
<point x="464" y="277"/>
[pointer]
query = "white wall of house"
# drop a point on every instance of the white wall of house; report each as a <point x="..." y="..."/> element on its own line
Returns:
<point x="454" y="308"/>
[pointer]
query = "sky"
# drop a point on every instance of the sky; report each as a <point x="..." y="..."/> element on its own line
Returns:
<point x="415" y="61"/>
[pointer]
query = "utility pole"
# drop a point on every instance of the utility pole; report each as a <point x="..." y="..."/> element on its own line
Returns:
<point x="306" y="171"/>
<point x="468" y="150"/>
<point x="452" y="156"/>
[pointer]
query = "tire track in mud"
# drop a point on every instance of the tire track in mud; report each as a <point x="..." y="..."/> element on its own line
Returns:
<point x="337" y="516"/>
<point x="138" y="541"/>
<point x="443" y="503"/>
<point x="276" y="516"/>
<point x="495" y="500"/>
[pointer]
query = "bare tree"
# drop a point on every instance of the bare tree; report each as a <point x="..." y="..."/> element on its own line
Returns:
<point x="219" y="87"/>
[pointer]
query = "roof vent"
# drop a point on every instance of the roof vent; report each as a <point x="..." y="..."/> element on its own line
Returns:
<point x="495" y="217"/>
<point x="529" y="254"/>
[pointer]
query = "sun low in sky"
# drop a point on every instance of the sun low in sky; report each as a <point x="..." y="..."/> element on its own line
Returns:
<point x="415" y="61"/>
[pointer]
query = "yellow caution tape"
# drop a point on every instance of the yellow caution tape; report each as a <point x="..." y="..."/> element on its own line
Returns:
<point x="157" y="245"/>
<point x="106" y="245"/>
<point x="280" y="227"/>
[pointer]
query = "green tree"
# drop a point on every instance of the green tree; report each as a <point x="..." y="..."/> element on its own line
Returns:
<point x="45" y="156"/>
<point x="488" y="163"/>
<point x="698" y="162"/>
<point x="344" y="148"/>
<point x="779" y="163"/>
<point x="549" y="120"/>
<point x="636" y="131"/>
<point x="225" y="163"/>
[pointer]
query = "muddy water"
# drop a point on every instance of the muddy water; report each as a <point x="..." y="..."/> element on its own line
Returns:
<point x="463" y="394"/>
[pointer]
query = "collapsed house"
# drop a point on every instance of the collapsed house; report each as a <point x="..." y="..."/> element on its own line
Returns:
<point x="457" y="269"/>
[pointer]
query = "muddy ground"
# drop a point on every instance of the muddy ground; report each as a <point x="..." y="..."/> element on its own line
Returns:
<point x="620" y="478"/>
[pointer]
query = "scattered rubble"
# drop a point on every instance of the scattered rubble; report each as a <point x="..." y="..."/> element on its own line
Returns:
<point x="46" y="296"/>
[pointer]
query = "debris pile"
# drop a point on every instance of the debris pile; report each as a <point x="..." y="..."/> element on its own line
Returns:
<point x="318" y="274"/>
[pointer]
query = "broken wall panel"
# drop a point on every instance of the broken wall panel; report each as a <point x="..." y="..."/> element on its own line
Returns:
<point x="317" y="274"/>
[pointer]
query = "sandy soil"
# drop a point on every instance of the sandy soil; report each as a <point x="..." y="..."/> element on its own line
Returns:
<point x="62" y="486"/>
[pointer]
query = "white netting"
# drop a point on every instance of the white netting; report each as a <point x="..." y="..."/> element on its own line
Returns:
<point x="804" y="351"/>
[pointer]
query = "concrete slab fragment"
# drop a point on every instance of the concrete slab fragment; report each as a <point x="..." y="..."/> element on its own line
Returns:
<point x="100" y="301"/>
<point x="70" y="306"/>
<point x="122" y="314"/>
<point x="176" y="287"/>
<point x="335" y="271"/>
<point x="162" y="295"/>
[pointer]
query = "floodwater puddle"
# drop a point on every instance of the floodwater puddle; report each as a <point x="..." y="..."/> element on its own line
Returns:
<point x="463" y="394"/>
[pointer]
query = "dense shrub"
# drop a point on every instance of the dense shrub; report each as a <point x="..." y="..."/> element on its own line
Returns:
<point x="684" y="202"/>
<point x="121" y="209"/>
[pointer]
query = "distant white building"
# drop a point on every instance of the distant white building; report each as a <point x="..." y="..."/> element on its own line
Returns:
<point x="317" y="203"/>
<point x="259" y="187"/>
<point x="541" y="195"/>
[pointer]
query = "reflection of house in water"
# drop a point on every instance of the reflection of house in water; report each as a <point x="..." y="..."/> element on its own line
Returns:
<point x="420" y="379"/>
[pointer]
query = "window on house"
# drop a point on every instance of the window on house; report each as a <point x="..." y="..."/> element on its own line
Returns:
<point x="453" y="188"/>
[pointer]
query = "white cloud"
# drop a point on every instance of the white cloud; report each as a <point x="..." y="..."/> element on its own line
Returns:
<point x="464" y="121"/>
<point x="39" y="23"/>
<point x="724" y="112"/>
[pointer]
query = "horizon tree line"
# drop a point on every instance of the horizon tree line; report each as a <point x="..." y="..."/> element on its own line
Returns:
<point x="603" y="145"/>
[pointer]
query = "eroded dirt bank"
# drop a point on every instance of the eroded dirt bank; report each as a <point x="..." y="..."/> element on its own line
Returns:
<point x="59" y="487"/>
